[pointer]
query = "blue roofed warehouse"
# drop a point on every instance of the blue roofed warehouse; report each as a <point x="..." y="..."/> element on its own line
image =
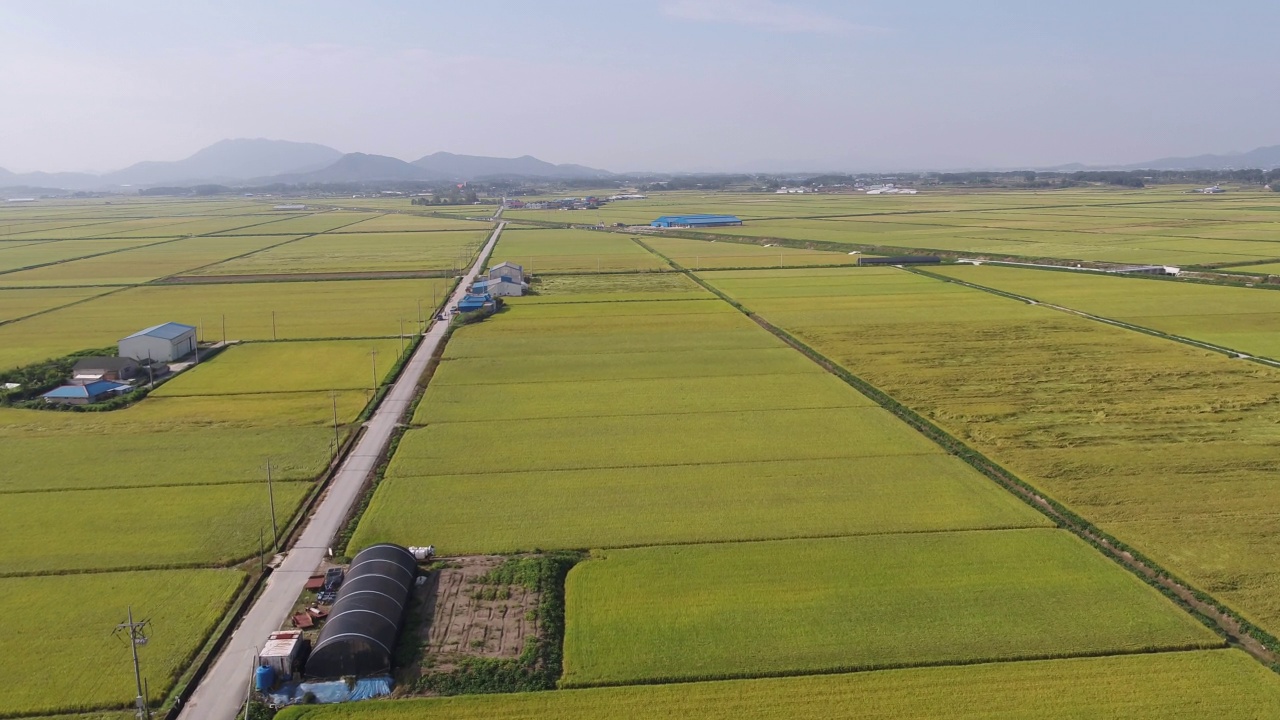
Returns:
<point x="695" y="221"/>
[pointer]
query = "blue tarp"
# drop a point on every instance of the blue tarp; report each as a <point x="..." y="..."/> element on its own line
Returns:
<point x="331" y="691"/>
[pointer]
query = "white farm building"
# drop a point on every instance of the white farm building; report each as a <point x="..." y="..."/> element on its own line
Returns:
<point x="162" y="343"/>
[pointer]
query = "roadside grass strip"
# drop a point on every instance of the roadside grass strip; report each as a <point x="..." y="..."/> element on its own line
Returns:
<point x="189" y="525"/>
<point x="252" y="311"/>
<point x="283" y="367"/>
<point x="577" y="251"/>
<point x="1223" y="684"/>
<point x="748" y="609"/>
<point x="1244" y="319"/>
<point x="1167" y="447"/>
<point x="60" y="655"/>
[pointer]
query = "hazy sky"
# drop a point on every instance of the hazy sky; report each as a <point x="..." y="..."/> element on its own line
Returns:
<point x="643" y="84"/>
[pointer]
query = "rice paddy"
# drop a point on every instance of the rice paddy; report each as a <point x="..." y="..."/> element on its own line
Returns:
<point x="1165" y="446"/>
<point x="747" y="513"/>
<point x="749" y="609"/>
<point x="153" y="505"/>
<point x="1223" y="684"/>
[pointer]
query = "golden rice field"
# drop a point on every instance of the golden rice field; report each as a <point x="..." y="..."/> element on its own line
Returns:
<point x="1165" y="446"/>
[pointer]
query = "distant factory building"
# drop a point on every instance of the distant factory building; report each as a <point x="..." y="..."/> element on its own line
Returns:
<point x="507" y="270"/>
<point x="360" y="634"/>
<point x="695" y="221"/>
<point x="292" y="207"/>
<point x="85" y="394"/>
<point x="93" y="369"/>
<point x="160" y="343"/>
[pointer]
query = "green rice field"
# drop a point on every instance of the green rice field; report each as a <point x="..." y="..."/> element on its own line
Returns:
<point x="701" y="254"/>
<point x="759" y="538"/>
<point x="60" y="624"/>
<point x="162" y="505"/>
<point x="1223" y="684"/>
<point x="573" y="251"/>
<point x="644" y="410"/>
<point x="744" y="609"/>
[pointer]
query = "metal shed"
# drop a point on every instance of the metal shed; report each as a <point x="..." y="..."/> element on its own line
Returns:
<point x="165" y="342"/>
<point x="365" y="621"/>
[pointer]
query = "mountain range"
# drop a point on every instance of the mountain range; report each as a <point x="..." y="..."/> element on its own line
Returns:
<point x="254" y="162"/>
<point x="257" y="162"/>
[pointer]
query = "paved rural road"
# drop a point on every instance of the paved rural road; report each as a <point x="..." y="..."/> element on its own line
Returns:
<point x="221" y="693"/>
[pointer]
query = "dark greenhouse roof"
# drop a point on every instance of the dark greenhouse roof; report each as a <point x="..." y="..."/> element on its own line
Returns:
<point x="360" y="634"/>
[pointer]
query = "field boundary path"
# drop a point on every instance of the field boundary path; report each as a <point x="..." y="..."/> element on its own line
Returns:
<point x="221" y="692"/>
<point x="1231" y="352"/>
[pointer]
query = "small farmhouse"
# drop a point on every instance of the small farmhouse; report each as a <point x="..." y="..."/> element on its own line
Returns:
<point x="85" y="394"/>
<point x="93" y="369"/>
<point x="161" y="343"/>
<point x="472" y="303"/>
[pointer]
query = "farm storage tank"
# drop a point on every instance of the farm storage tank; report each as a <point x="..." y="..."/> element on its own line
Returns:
<point x="365" y="620"/>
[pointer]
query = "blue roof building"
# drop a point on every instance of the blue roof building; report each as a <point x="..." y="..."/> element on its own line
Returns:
<point x="471" y="303"/>
<point x="84" y="394"/>
<point x="695" y="221"/>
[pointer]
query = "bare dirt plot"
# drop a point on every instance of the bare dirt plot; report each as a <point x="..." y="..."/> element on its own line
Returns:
<point x="460" y="617"/>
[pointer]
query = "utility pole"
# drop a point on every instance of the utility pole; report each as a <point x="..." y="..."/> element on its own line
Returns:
<point x="224" y="328"/>
<point x="402" y="336"/>
<point x="136" y="633"/>
<point x="374" y="353"/>
<point x="273" y="324"/>
<point x="336" y="444"/>
<point x="419" y="312"/>
<point x="271" y="496"/>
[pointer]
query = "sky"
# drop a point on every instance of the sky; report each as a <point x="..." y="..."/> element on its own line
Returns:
<point x="643" y="85"/>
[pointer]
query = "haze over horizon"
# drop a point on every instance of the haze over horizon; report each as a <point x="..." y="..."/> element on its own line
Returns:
<point x="663" y="85"/>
